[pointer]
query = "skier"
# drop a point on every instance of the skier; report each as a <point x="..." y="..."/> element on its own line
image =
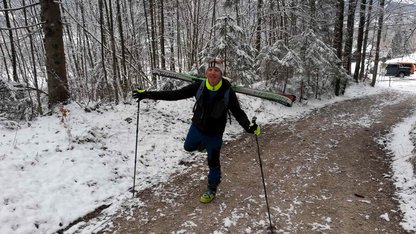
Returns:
<point x="214" y="97"/>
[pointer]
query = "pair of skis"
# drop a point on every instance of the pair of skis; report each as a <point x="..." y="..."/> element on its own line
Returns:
<point x="284" y="99"/>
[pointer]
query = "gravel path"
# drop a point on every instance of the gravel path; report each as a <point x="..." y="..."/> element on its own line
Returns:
<point x="325" y="173"/>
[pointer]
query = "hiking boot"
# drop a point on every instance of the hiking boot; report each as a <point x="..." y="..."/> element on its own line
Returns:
<point x="207" y="196"/>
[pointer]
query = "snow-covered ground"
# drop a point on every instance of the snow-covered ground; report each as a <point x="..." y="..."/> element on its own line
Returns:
<point x="402" y="145"/>
<point x="61" y="167"/>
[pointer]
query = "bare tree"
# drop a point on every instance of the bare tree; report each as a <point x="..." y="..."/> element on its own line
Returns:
<point x="195" y="33"/>
<point x="55" y="55"/>
<point x="33" y="59"/>
<point x="259" y="23"/>
<point x="116" y="82"/>
<point x="350" y="34"/>
<point x="337" y="42"/>
<point x="124" y="78"/>
<point x="103" y="57"/>
<point x="365" y="42"/>
<point x="380" y="27"/>
<point x="12" y="42"/>
<point x="357" y="56"/>
<point x="162" y="35"/>
<point x="153" y="33"/>
<point x="178" y="37"/>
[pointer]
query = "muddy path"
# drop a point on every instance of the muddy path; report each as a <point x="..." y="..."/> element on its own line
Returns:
<point x="325" y="173"/>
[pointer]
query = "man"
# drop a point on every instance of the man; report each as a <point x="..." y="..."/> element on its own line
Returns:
<point x="214" y="98"/>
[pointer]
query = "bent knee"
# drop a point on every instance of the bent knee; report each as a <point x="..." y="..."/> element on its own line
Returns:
<point x="189" y="148"/>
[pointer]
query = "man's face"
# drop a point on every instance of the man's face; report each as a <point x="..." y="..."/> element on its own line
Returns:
<point x="214" y="75"/>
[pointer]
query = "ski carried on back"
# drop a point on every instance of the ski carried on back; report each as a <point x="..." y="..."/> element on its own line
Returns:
<point x="284" y="99"/>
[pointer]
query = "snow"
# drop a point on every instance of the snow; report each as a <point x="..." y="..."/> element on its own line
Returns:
<point x="404" y="177"/>
<point x="385" y="216"/>
<point x="58" y="168"/>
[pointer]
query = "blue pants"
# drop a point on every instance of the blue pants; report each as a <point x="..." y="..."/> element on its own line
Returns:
<point x="213" y="146"/>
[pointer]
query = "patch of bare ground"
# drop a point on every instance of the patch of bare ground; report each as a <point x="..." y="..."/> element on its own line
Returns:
<point x="325" y="173"/>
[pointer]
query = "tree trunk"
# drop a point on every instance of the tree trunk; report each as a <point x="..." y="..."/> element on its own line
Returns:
<point x="124" y="79"/>
<point x="162" y="35"/>
<point x="75" y="64"/>
<point x="285" y="22"/>
<point x="337" y="43"/>
<point x="12" y="46"/>
<point x="153" y="34"/>
<point x="213" y="19"/>
<point x="4" y="58"/>
<point x="116" y="83"/>
<point x="55" y="55"/>
<point x="103" y="60"/>
<point x="195" y="36"/>
<point x="380" y="27"/>
<point x="258" y="28"/>
<point x="313" y="24"/>
<point x="171" y="42"/>
<point x="350" y="35"/>
<point x="237" y="13"/>
<point x="33" y="60"/>
<point x="360" y="40"/>
<point x="86" y="89"/>
<point x="149" y="38"/>
<point x="366" y="32"/>
<point x="178" y="38"/>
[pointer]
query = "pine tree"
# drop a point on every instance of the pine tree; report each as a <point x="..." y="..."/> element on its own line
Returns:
<point x="397" y="44"/>
<point x="228" y="44"/>
<point x="304" y="59"/>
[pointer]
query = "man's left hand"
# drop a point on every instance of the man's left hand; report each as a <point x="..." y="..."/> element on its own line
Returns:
<point x="139" y="94"/>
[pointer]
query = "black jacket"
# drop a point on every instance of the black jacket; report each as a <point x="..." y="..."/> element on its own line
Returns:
<point x="210" y="111"/>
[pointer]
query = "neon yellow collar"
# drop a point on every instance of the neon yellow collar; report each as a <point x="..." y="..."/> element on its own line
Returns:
<point x="213" y="88"/>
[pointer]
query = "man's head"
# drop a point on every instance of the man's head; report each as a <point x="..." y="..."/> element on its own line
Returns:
<point x="214" y="71"/>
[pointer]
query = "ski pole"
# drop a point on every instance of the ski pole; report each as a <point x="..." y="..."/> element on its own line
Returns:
<point x="137" y="142"/>
<point x="262" y="177"/>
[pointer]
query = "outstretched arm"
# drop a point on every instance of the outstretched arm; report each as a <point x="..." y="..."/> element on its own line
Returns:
<point x="183" y="93"/>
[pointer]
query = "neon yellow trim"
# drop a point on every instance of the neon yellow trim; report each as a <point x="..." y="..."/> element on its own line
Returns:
<point x="257" y="132"/>
<point x="213" y="88"/>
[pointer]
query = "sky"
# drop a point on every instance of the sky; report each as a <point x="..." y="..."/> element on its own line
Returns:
<point x="58" y="168"/>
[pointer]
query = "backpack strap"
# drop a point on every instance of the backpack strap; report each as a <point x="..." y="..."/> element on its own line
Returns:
<point x="227" y="97"/>
<point x="198" y="94"/>
<point x="200" y="90"/>
<point x="226" y="101"/>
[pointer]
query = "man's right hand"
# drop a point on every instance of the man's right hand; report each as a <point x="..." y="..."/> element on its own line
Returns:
<point x="139" y="94"/>
<point x="254" y="128"/>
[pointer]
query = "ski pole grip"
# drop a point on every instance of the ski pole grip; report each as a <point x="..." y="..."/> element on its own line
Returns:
<point x="253" y="120"/>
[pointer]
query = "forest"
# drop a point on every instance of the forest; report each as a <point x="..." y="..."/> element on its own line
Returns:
<point x="95" y="52"/>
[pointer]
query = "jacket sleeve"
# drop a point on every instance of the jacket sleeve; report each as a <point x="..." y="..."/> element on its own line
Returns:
<point x="173" y="95"/>
<point x="237" y="112"/>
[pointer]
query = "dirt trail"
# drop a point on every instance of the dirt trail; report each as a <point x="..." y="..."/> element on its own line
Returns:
<point x="325" y="173"/>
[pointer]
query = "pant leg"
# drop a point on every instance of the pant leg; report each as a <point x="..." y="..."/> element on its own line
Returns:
<point x="213" y="145"/>
<point x="193" y="139"/>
